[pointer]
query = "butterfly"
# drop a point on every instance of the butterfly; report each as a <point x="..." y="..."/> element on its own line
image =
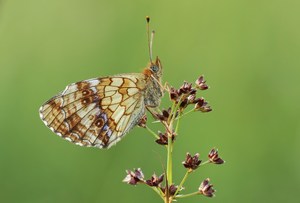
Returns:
<point x="99" y="112"/>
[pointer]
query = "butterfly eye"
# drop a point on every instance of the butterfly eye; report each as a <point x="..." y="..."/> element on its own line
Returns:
<point x="154" y="69"/>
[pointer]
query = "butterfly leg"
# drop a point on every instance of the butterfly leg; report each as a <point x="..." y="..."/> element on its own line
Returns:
<point x="166" y="87"/>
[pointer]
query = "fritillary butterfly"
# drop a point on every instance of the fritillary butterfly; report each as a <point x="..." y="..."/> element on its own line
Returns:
<point x="99" y="112"/>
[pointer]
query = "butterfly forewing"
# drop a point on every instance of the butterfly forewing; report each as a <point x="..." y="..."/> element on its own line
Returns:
<point x="96" y="112"/>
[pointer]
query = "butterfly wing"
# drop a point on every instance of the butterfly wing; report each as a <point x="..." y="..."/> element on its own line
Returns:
<point x="96" y="112"/>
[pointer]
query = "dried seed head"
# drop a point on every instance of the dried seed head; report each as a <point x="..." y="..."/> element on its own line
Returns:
<point x="163" y="138"/>
<point x="213" y="156"/>
<point x="186" y="95"/>
<point x="165" y="114"/>
<point x="192" y="99"/>
<point x="155" y="181"/>
<point x="184" y="103"/>
<point x="206" y="189"/>
<point x="172" y="190"/>
<point x="202" y="105"/>
<point x="134" y="177"/>
<point x="200" y="83"/>
<point x="174" y="94"/>
<point x="143" y="121"/>
<point x="191" y="162"/>
<point x="185" y="88"/>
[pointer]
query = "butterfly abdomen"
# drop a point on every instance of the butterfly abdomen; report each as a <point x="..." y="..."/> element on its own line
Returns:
<point x="153" y="94"/>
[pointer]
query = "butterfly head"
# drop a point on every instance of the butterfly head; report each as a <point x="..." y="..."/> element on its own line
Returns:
<point x="154" y="69"/>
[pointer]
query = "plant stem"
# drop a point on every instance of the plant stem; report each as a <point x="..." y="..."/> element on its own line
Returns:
<point x="188" y="195"/>
<point x="152" y="132"/>
<point x="171" y="112"/>
<point x="177" y="125"/>
<point x="184" y="114"/>
<point x="169" y="126"/>
<point x="159" y="192"/>
<point x="182" y="181"/>
<point x="169" y="159"/>
<point x="205" y="162"/>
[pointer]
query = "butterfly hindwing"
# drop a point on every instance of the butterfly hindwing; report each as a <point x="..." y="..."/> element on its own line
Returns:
<point x="96" y="112"/>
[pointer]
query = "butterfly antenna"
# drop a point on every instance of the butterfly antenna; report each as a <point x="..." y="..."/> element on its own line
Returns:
<point x="151" y="42"/>
<point x="150" y="38"/>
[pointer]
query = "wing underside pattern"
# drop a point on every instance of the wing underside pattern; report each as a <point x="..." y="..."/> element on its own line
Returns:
<point x="96" y="112"/>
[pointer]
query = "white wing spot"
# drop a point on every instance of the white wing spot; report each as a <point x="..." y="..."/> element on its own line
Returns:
<point x="110" y="93"/>
<point x="69" y="139"/>
<point x="116" y="98"/>
<point x="110" y="88"/>
<point x="113" y="107"/>
<point x="79" y="143"/>
<point x="118" y="114"/>
<point x="132" y="91"/>
<point x="116" y="82"/>
<point x="106" y="101"/>
<point x="93" y="82"/>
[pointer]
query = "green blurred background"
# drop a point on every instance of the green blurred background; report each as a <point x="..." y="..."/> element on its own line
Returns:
<point x="248" y="51"/>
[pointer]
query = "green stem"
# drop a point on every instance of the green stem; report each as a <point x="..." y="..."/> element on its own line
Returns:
<point x="159" y="192"/>
<point x="188" y="195"/>
<point x="169" y="160"/>
<point x="152" y="132"/>
<point x="184" y="114"/>
<point x="171" y="112"/>
<point x="205" y="162"/>
<point x="182" y="181"/>
<point x="177" y="125"/>
<point x="169" y="126"/>
<point x="175" y="110"/>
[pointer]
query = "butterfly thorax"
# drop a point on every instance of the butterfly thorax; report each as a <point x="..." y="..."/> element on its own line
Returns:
<point x="153" y="91"/>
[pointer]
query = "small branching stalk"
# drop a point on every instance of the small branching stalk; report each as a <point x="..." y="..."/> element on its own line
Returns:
<point x="181" y="99"/>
